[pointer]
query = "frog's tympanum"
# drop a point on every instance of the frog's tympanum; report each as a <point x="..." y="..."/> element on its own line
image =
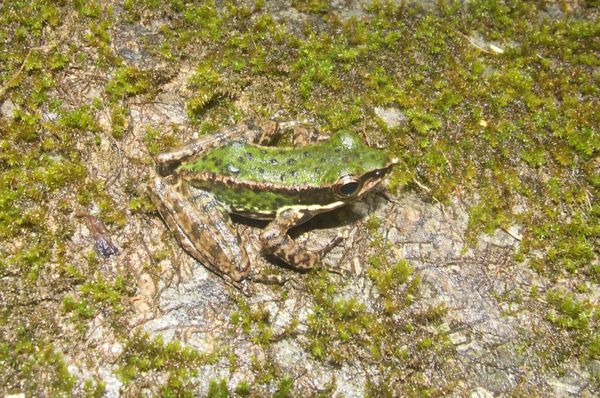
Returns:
<point x="232" y="171"/>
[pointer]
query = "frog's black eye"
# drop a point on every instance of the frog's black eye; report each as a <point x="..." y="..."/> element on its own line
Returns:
<point x="347" y="186"/>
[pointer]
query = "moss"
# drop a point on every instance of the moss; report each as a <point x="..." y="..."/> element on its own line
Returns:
<point x="205" y="83"/>
<point x="579" y="317"/>
<point x="99" y="37"/>
<point x="284" y="388"/>
<point x="118" y="121"/>
<point x="95" y="295"/>
<point x="372" y="223"/>
<point x="128" y="81"/>
<point x="343" y="330"/>
<point x="94" y="388"/>
<point x="141" y="204"/>
<point x="311" y="6"/>
<point x="253" y="322"/>
<point x="387" y="278"/>
<point x="243" y="389"/>
<point x="218" y="389"/>
<point x="157" y="141"/>
<point x="80" y="119"/>
<point x="145" y="357"/>
<point x="88" y="8"/>
<point x="26" y="357"/>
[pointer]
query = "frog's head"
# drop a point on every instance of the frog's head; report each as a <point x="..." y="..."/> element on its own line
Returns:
<point x="361" y="169"/>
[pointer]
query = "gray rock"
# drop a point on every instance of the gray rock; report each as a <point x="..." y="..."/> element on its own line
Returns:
<point x="8" y="108"/>
<point x="392" y="117"/>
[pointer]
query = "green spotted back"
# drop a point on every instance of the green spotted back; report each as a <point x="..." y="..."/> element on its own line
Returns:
<point x="312" y="165"/>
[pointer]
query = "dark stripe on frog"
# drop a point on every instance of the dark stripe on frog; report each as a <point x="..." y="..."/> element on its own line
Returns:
<point x="203" y="179"/>
<point x="260" y="200"/>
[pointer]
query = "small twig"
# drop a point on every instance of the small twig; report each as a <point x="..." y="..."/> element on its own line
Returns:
<point x="116" y="176"/>
<point x="515" y="237"/>
<point x="13" y="79"/>
<point x="474" y="44"/>
<point x="428" y="190"/>
<point x="588" y="200"/>
<point x="424" y="187"/>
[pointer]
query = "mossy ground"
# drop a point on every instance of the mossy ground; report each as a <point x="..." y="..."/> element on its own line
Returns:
<point x="500" y="100"/>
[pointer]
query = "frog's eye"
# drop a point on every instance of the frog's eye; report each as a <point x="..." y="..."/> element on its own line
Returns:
<point x="347" y="186"/>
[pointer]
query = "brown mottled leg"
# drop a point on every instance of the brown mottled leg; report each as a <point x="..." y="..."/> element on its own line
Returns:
<point x="305" y="135"/>
<point x="276" y="241"/>
<point x="303" y="132"/>
<point x="217" y="244"/>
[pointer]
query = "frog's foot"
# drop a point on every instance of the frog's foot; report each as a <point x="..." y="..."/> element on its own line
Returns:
<point x="304" y="132"/>
<point x="276" y="241"/>
<point x="332" y="243"/>
<point x="336" y="269"/>
<point x="269" y="279"/>
<point x="330" y="267"/>
<point x="306" y="135"/>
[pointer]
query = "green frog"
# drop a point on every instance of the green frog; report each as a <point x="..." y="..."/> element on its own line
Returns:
<point x="235" y="171"/>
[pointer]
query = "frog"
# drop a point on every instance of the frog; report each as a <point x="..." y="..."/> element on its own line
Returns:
<point x="237" y="170"/>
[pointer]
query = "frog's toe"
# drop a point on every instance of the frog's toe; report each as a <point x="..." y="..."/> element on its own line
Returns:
<point x="270" y="279"/>
<point x="283" y="247"/>
<point x="302" y="259"/>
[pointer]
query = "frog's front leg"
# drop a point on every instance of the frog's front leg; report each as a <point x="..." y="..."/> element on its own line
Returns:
<point x="202" y="228"/>
<point x="276" y="241"/>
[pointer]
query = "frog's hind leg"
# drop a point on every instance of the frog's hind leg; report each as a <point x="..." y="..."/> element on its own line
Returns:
<point x="248" y="131"/>
<point x="203" y="229"/>
<point x="276" y="241"/>
<point x="305" y="135"/>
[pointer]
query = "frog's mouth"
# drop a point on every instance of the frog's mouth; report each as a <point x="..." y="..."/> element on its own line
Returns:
<point x="372" y="179"/>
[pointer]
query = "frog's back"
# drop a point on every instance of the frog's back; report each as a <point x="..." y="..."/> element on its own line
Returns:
<point x="281" y="166"/>
<point x="312" y="165"/>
